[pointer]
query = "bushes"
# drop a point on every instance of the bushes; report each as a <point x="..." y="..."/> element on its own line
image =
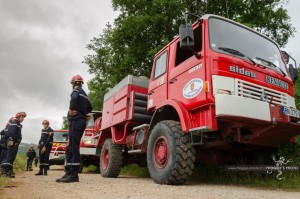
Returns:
<point x="20" y="163"/>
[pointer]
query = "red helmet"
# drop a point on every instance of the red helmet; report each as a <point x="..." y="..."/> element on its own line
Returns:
<point x="11" y="119"/>
<point x="45" y="122"/>
<point x="76" y="78"/>
<point x="21" y="114"/>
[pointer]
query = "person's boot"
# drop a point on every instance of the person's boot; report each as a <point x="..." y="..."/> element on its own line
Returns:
<point x="70" y="178"/>
<point x="45" y="170"/>
<point x="63" y="177"/>
<point x="27" y="169"/>
<point x="5" y="173"/>
<point x="30" y="169"/>
<point x="40" y="171"/>
<point x="12" y="174"/>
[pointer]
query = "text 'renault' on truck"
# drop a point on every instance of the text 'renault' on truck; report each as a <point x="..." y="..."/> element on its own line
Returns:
<point x="218" y="90"/>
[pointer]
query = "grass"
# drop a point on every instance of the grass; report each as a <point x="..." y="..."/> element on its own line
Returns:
<point x="90" y="169"/>
<point x="135" y="170"/>
<point x="217" y="175"/>
<point x="19" y="166"/>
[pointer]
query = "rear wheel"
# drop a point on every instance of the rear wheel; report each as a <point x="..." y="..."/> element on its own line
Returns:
<point x="170" y="156"/>
<point x="111" y="159"/>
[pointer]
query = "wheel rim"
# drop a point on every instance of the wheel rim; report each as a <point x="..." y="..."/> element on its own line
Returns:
<point x="161" y="152"/>
<point x="104" y="159"/>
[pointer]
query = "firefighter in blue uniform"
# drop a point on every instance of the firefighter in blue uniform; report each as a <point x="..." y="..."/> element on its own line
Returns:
<point x="79" y="107"/>
<point x="14" y="137"/>
<point x="45" y="145"/>
<point x="3" y="147"/>
<point x="31" y="154"/>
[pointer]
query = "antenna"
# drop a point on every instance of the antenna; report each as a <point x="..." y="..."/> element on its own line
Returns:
<point x="226" y="9"/>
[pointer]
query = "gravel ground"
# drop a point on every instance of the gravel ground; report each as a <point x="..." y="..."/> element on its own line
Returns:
<point x="27" y="185"/>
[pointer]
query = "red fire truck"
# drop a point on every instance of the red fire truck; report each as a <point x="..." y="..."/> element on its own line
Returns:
<point x="218" y="90"/>
<point x="57" y="154"/>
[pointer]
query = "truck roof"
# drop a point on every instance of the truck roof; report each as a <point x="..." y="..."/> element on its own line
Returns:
<point x="206" y="16"/>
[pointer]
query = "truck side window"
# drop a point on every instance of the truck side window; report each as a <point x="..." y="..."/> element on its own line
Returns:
<point x="160" y="65"/>
<point x="183" y="54"/>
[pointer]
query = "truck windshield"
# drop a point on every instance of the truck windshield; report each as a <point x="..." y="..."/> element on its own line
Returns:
<point x="227" y="35"/>
<point x="58" y="137"/>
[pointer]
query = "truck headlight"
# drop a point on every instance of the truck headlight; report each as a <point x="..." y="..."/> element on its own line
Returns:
<point x="223" y="91"/>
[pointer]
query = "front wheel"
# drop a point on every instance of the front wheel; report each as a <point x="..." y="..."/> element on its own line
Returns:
<point x="111" y="159"/>
<point x="170" y="156"/>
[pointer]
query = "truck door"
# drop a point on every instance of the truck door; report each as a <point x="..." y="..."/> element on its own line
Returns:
<point x="187" y="73"/>
<point x="158" y="81"/>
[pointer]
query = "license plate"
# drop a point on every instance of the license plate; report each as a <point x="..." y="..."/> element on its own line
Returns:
<point x="290" y="111"/>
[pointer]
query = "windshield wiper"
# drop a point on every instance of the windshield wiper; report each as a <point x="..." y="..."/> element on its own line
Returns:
<point x="236" y="52"/>
<point x="271" y="64"/>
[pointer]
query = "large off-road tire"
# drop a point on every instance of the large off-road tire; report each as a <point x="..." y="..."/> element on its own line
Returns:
<point x="170" y="156"/>
<point x="110" y="159"/>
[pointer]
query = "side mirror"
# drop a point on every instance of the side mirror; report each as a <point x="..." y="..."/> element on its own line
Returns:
<point x="293" y="72"/>
<point x="286" y="56"/>
<point x="186" y="36"/>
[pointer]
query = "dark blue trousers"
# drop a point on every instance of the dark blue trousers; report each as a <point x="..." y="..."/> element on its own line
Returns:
<point x="76" y="129"/>
<point x="11" y="154"/>
<point x="44" y="158"/>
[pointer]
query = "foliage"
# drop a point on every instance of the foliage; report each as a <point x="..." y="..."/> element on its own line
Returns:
<point x="20" y="163"/>
<point x="146" y="26"/>
<point x="217" y="175"/>
<point x="297" y="90"/>
<point x="135" y="170"/>
<point x="65" y="123"/>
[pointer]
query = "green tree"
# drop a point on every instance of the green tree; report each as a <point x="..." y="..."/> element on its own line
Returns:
<point x="297" y="91"/>
<point x="145" y="26"/>
<point x="65" y="124"/>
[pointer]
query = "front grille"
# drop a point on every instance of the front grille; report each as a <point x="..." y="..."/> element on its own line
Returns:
<point x="253" y="91"/>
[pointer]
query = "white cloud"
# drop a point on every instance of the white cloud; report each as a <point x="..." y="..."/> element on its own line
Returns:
<point x="42" y="47"/>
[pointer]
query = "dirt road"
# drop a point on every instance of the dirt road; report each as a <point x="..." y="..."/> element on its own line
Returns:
<point x="27" y="185"/>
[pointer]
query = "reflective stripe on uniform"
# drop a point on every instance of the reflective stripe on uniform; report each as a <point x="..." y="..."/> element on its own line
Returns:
<point x="74" y="164"/>
<point x="83" y="96"/>
<point x="16" y="125"/>
<point x="6" y="163"/>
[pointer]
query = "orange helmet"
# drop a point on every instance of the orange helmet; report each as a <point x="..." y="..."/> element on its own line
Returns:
<point x="45" y="122"/>
<point x="21" y="114"/>
<point x="11" y="120"/>
<point x="76" y="78"/>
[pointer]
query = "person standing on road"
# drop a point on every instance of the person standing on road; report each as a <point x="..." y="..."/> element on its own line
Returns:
<point x="3" y="147"/>
<point x="79" y="107"/>
<point x="45" y="145"/>
<point x="14" y="137"/>
<point x="31" y="154"/>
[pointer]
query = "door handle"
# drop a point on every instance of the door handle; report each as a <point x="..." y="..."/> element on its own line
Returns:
<point x="173" y="80"/>
<point x="150" y="92"/>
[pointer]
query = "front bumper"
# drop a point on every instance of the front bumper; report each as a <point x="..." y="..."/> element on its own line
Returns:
<point x="269" y="125"/>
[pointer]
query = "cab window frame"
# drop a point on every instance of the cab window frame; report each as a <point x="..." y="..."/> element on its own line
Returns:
<point x="165" y="53"/>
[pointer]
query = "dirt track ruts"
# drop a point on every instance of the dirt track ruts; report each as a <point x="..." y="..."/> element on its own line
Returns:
<point x="92" y="185"/>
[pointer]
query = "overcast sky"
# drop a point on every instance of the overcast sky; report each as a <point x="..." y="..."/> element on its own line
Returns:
<point x="42" y="45"/>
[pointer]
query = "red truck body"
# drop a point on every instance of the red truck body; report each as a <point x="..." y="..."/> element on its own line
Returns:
<point x="209" y="102"/>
